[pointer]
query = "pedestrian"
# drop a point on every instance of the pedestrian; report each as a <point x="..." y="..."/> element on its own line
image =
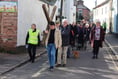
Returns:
<point x="86" y="35"/>
<point x="58" y="26"/>
<point x="32" y="40"/>
<point x="97" y="37"/>
<point x="53" y="41"/>
<point x="80" y="35"/>
<point x="65" y="32"/>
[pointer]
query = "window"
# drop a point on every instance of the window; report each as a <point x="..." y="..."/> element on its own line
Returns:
<point x="80" y="11"/>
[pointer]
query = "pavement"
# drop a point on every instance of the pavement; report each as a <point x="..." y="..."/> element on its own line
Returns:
<point x="9" y="62"/>
<point x="112" y="42"/>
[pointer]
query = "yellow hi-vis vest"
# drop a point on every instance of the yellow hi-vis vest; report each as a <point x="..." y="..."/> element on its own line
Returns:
<point x="33" y="37"/>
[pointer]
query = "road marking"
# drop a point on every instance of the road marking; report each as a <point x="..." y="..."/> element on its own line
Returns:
<point x="112" y="60"/>
<point x="40" y="71"/>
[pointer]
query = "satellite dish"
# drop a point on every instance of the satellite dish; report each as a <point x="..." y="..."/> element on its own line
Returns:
<point x="50" y="2"/>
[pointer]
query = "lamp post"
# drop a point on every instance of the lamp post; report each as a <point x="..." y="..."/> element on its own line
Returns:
<point x="61" y="10"/>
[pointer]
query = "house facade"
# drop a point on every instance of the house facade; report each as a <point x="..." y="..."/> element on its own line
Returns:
<point x="102" y="13"/>
<point x="82" y="10"/>
<point x="68" y="10"/>
<point x="107" y="12"/>
<point x="15" y="23"/>
<point x="115" y="16"/>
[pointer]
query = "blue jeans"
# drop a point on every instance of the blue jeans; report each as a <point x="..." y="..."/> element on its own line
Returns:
<point x="51" y="54"/>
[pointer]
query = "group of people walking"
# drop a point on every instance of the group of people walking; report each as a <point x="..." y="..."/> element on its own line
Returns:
<point x="60" y="38"/>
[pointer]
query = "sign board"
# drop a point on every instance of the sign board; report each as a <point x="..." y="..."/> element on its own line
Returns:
<point x="7" y="6"/>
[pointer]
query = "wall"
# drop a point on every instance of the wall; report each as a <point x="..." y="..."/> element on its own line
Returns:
<point x="29" y="11"/>
<point x="102" y="14"/>
<point x="114" y="16"/>
<point x="8" y="25"/>
<point x="69" y="10"/>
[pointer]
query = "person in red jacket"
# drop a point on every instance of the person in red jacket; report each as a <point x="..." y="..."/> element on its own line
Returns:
<point x="97" y="38"/>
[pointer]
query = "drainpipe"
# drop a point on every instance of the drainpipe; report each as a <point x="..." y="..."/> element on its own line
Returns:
<point x="110" y="17"/>
<point x="61" y="10"/>
<point x="117" y="19"/>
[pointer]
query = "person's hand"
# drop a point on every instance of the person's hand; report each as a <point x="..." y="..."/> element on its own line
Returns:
<point x="46" y="31"/>
<point x="26" y="46"/>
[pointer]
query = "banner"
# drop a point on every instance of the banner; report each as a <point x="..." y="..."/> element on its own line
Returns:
<point x="7" y="6"/>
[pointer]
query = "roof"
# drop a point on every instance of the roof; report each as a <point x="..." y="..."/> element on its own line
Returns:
<point x="105" y="2"/>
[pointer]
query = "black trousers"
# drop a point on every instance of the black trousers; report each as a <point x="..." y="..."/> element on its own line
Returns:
<point x="32" y="52"/>
<point x="56" y="54"/>
<point x="96" y="47"/>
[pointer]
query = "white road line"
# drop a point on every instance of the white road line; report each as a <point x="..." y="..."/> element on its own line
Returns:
<point x="111" y="47"/>
<point x="40" y="71"/>
<point x="116" y="67"/>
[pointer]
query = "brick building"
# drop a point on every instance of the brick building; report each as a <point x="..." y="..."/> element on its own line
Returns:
<point x="8" y="24"/>
<point x="82" y="10"/>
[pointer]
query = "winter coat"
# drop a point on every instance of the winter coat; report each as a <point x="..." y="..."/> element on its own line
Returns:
<point x="65" y="32"/>
<point x="92" y="36"/>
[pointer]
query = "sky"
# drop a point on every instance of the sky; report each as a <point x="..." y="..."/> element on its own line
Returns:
<point x="91" y="3"/>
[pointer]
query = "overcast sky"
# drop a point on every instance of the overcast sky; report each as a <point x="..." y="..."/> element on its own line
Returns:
<point x="91" y="3"/>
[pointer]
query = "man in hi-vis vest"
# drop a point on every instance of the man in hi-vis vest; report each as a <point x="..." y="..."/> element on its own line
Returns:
<point x="32" y="40"/>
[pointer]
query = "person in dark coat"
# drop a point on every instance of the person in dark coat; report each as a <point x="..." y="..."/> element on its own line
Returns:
<point x="73" y="33"/>
<point x="97" y="38"/>
<point x="80" y="35"/>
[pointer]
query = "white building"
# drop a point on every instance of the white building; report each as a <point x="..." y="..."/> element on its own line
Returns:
<point x="101" y="13"/>
<point x="115" y="15"/>
<point x="69" y="10"/>
<point x="30" y="11"/>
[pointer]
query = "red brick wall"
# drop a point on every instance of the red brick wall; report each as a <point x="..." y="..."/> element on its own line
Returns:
<point x="86" y="14"/>
<point x="8" y="30"/>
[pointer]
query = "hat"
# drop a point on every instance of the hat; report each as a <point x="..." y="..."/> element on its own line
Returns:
<point x="51" y="23"/>
<point x="57" y="22"/>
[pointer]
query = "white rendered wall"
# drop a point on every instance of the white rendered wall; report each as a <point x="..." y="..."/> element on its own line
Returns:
<point x="69" y="10"/>
<point x="102" y="14"/>
<point x="29" y="11"/>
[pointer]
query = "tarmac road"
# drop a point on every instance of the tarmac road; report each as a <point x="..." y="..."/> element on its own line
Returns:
<point x="82" y="68"/>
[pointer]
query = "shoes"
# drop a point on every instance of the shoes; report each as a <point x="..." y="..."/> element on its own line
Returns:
<point x="58" y="65"/>
<point x="64" y="65"/>
<point x="95" y="57"/>
<point x="51" y="68"/>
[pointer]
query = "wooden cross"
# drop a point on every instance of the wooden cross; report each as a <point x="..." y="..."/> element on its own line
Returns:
<point x="49" y="19"/>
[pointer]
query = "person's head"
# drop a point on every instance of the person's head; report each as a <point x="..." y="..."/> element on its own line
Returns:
<point x="33" y="26"/>
<point x="78" y="24"/>
<point x="98" y="23"/>
<point x="57" y="23"/>
<point x="87" y="25"/>
<point x="65" y="22"/>
<point x="52" y="25"/>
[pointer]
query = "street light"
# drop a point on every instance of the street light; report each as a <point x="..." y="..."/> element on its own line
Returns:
<point x="61" y="9"/>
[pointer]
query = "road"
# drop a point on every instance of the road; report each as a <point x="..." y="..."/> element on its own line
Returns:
<point x="82" y="68"/>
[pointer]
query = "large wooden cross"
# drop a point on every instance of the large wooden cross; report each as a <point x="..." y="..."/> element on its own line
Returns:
<point x="49" y="19"/>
